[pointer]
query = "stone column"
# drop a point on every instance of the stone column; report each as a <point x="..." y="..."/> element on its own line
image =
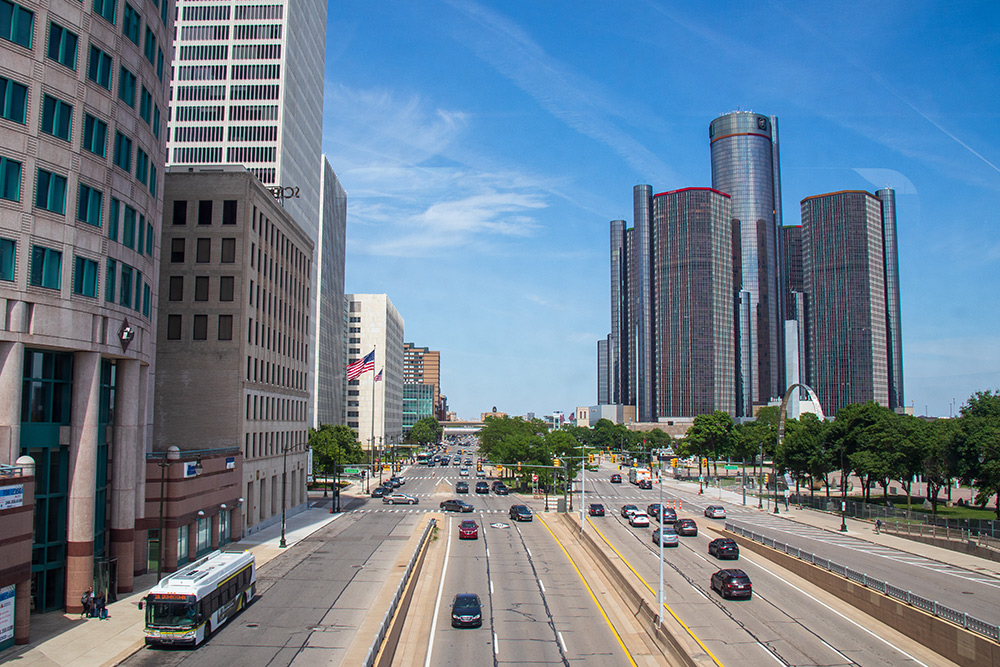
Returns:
<point x="82" y="477"/>
<point x="127" y="446"/>
<point x="11" y="376"/>
<point x="215" y="529"/>
<point x="22" y="612"/>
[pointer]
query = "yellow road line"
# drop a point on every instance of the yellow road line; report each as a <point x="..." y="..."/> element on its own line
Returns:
<point x="592" y="596"/>
<point x="650" y="589"/>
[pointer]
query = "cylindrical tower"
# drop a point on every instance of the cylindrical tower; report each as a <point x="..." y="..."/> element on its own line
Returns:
<point x="744" y="148"/>
<point x="641" y="294"/>
<point x="893" y="325"/>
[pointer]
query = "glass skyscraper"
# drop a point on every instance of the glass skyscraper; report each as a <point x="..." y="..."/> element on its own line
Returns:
<point x="892" y="309"/>
<point x="745" y="165"/>
<point x="642" y="303"/>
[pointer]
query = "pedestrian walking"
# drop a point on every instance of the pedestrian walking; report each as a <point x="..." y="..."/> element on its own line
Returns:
<point x="878" y="526"/>
<point x="100" y="606"/>
<point x="87" y="600"/>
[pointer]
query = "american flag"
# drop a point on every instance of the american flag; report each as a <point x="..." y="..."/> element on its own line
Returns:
<point x="356" y="369"/>
<point x="378" y="378"/>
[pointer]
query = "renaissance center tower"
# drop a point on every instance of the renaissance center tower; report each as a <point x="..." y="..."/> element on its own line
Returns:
<point x="744" y="147"/>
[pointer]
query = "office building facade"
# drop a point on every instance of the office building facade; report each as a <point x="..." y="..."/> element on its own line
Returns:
<point x="421" y="384"/>
<point x="375" y="408"/>
<point x="745" y="165"/>
<point x="233" y="375"/>
<point x="604" y="373"/>
<point x="693" y="283"/>
<point x="844" y="270"/>
<point x="618" y="346"/>
<point x="894" y="325"/>
<point x="642" y="303"/>
<point x="330" y="381"/>
<point x="85" y="92"/>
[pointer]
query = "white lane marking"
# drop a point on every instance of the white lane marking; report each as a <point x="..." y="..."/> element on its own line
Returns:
<point x="820" y="602"/>
<point x="563" y="642"/>
<point x="491" y="587"/>
<point x="771" y="654"/>
<point x="496" y="645"/>
<point x="541" y="585"/>
<point x="437" y="603"/>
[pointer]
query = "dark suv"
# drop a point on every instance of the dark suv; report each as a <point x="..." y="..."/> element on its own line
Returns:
<point x="669" y="515"/>
<point x="724" y="547"/>
<point x="482" y="487"/>
<point x="461" y="487"/>
<point x="732" y="584"/>
<point x="520" y="513"/>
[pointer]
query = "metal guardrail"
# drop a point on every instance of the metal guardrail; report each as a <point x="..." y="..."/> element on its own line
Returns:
<point x="387" y="618"/>
<point x="971" y="623"/>
<point x="11" y="471"/>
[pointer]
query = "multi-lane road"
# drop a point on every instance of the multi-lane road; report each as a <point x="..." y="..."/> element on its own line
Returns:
<point x="538" y="606"/>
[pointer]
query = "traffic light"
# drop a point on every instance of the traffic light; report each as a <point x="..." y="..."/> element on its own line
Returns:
<point x="704" y="461"/>
<point x="614" y="458"/>
<point x="519" y="466"/>
<point x="767" y="479"/>
<point x="555" y="462"/>
<point x="590" y="458"/>
<point x="674" y="462"/>
<point x="479" y="466"/>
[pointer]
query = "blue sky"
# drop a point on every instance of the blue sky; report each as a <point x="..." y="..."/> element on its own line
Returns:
<point x="485" y="147"/>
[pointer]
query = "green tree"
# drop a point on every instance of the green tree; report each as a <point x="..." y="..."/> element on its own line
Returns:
<point x="425" y="431"/>
<point x="939" y="457"/>
<point x="802" y="452"/>
<point x="333" y="444"/>
<point x="709" y="435"/>
<point x="978" y="446"/>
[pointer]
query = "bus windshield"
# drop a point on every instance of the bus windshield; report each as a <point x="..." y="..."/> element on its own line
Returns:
<point x="171" y="614"/>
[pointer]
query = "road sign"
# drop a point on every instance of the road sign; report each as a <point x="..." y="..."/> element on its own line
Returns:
<point x="731" y="467"/>
<point x="534" y="477"/>
<point x="352" y="471"/>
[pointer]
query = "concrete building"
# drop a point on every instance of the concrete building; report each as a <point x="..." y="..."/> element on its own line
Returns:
<point x="619" y="346"/>
<point x="81" y="143"/>
<point x="329" y="379"/>
<point x="844" y="268"/>
<point x="233" y="366"/>
<point x="693" y="283"/>
<point x="421" y="384"/>
<point x="642" y="304"/>
<point x="375" y="408"/>
<point x="893" y="324"/>
<point x="604" y="371"/>
<point x="17" y="505"/>
<point x="745" y="165"/>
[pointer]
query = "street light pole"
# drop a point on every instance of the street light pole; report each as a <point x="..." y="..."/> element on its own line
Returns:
<point x="659" y="598"/>
<point x="284" y="491"/>
<point x="760" y="482"/>
<point x="843" y="494"/>
<point x="173" y="455"/>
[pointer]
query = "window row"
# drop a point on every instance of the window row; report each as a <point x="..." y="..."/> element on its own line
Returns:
<point x="204" y="52"/>
<point x="205" y="209"/>
<point x="267" y="372"/>
<point x="198" y="133"/>
<point x="203" y="250"/>
<point x="275" y="408"/>
<point x="257" y="52"/>
<point x="256" y="31"/>
<point x="266" y="71"/>
<point x="254" y="112"/>
<point x="227" y="285"/>
<point x="200" y="112"/>
<point x="203" y="13"/>
<point x="205" y="33"/>
<point x="200" y="93"/>
<point x="252" y="133"/>
<point x="254" y="92"/>
<point x="259" y="12"/>
<point x="244" y="154"/>
<point x="199" y="327"/>
<point x="202" y="155"/>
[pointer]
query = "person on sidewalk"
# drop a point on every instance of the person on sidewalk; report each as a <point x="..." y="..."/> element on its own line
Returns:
<point x="878" y="526"/>
<point x="100" y="606"/>
<point x="87" y="600"/>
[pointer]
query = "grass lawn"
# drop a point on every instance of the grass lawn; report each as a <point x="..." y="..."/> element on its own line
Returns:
<point x="953" y="512"/>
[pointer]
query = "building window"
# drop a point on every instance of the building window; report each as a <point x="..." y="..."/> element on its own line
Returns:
<point x="8" y="253"/>
<point x="177" y="251"/>
<point x="109" y="280"/>
<point x="126" y="87"/>
<point x="46" y="267"/>
<point x="141" y="228"/>
<point x="147" y="295"/>
<point x="229" y="212"/>
<point x="226" y="288"/>
<point x="200" y="331"/>
<point x="149" y="48"/>
<point x="16" y="23"/>
<point x="176" y="290"/>
<point x="125" y="293"/>
<point x="123" y="152"/>
<point x="182" y="531"/>
<point x="131" y="21"/>
<point x="146" y="105"/>
<point x="205" y="212"/>
<point x="152" y="181"/>
<point x="85" y="277"/>
<point x="57" y="117"/>
<point x="99" y="67"/>
<point x="156" y="121"/>
<point x="204" y="533"/>
<point x="13" y="100"/>
<point x="203" y="251"/>
<point x="128" y="228"/>
<point x="228" y="251"/>
<point x="141" y="166"/>
<point x="62" y="45"/>
<point x="89" y="205"/>
<point x="113" y="209"/>
<point x="173" y="327"/>
<point x="159" y="64"/>
<point x="10" y="179"/>
<point x="106" y="9"/>
<point x="201" y="288"/>
<point x="95" y="135"/>
<point x="149" y="239"/>
<point x="50" y="192"/>
<point x="225" y="327"/>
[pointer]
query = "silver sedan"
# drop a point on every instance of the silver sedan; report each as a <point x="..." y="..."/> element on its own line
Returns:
<point x="399" y="499"/>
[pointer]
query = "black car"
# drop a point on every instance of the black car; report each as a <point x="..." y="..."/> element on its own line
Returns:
<point x="456" y="505"/>
<point x="520" y="513"/>
<point x="669" y="515"/>
<point x="380" y="491"/>
<point x="596" y="509"/>
<point x="616" y="479"/>
<point x="732" y="584"/>
<point x="653" y="510"/>
<point x="724" y="547"/>
<point x="686" y="527"/>
<point x="461" y="487"/>
<point x="466" y="611"/>
<point x="482" y="487"/>
<point x="628" y="509"/>
<point x="645" y="484"/>
<point x="501" y="490"/>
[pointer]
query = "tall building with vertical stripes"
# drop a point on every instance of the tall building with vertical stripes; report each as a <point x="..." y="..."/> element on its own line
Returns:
<point x="84" y="89"/>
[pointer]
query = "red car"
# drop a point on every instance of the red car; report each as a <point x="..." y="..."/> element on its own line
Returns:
<point x="616" y="479"/>
<point x="468" y="530"/>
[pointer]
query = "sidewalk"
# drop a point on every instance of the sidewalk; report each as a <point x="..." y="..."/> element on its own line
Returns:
<point x="67" y="640"/>
<point x="857" y="528"/>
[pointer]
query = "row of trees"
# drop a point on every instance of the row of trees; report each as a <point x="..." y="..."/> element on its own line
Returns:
<point x="870" y="441"/>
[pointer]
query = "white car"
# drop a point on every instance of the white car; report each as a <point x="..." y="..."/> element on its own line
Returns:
<point x="715" y="512"/>
<point x="639" y="519"/>
<point x="480" y="473"/>
<point x="399" y="499"/>
<point x="464" y="472"/>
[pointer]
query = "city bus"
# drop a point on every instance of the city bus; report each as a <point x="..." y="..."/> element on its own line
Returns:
<point x="190" y="604"/>
<point x="423" y="458"/>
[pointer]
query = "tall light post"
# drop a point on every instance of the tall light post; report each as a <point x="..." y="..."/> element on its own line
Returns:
<point x="284" y="488"/>
<point x="173" y="456"/>
<point x="760" y="478"/>
<point x="659" y="598"/>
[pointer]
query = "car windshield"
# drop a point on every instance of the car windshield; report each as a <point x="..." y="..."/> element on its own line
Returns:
<point x="466" y="604"/>
<point x="468" y="524"/>
<point x="171" y="614"/>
